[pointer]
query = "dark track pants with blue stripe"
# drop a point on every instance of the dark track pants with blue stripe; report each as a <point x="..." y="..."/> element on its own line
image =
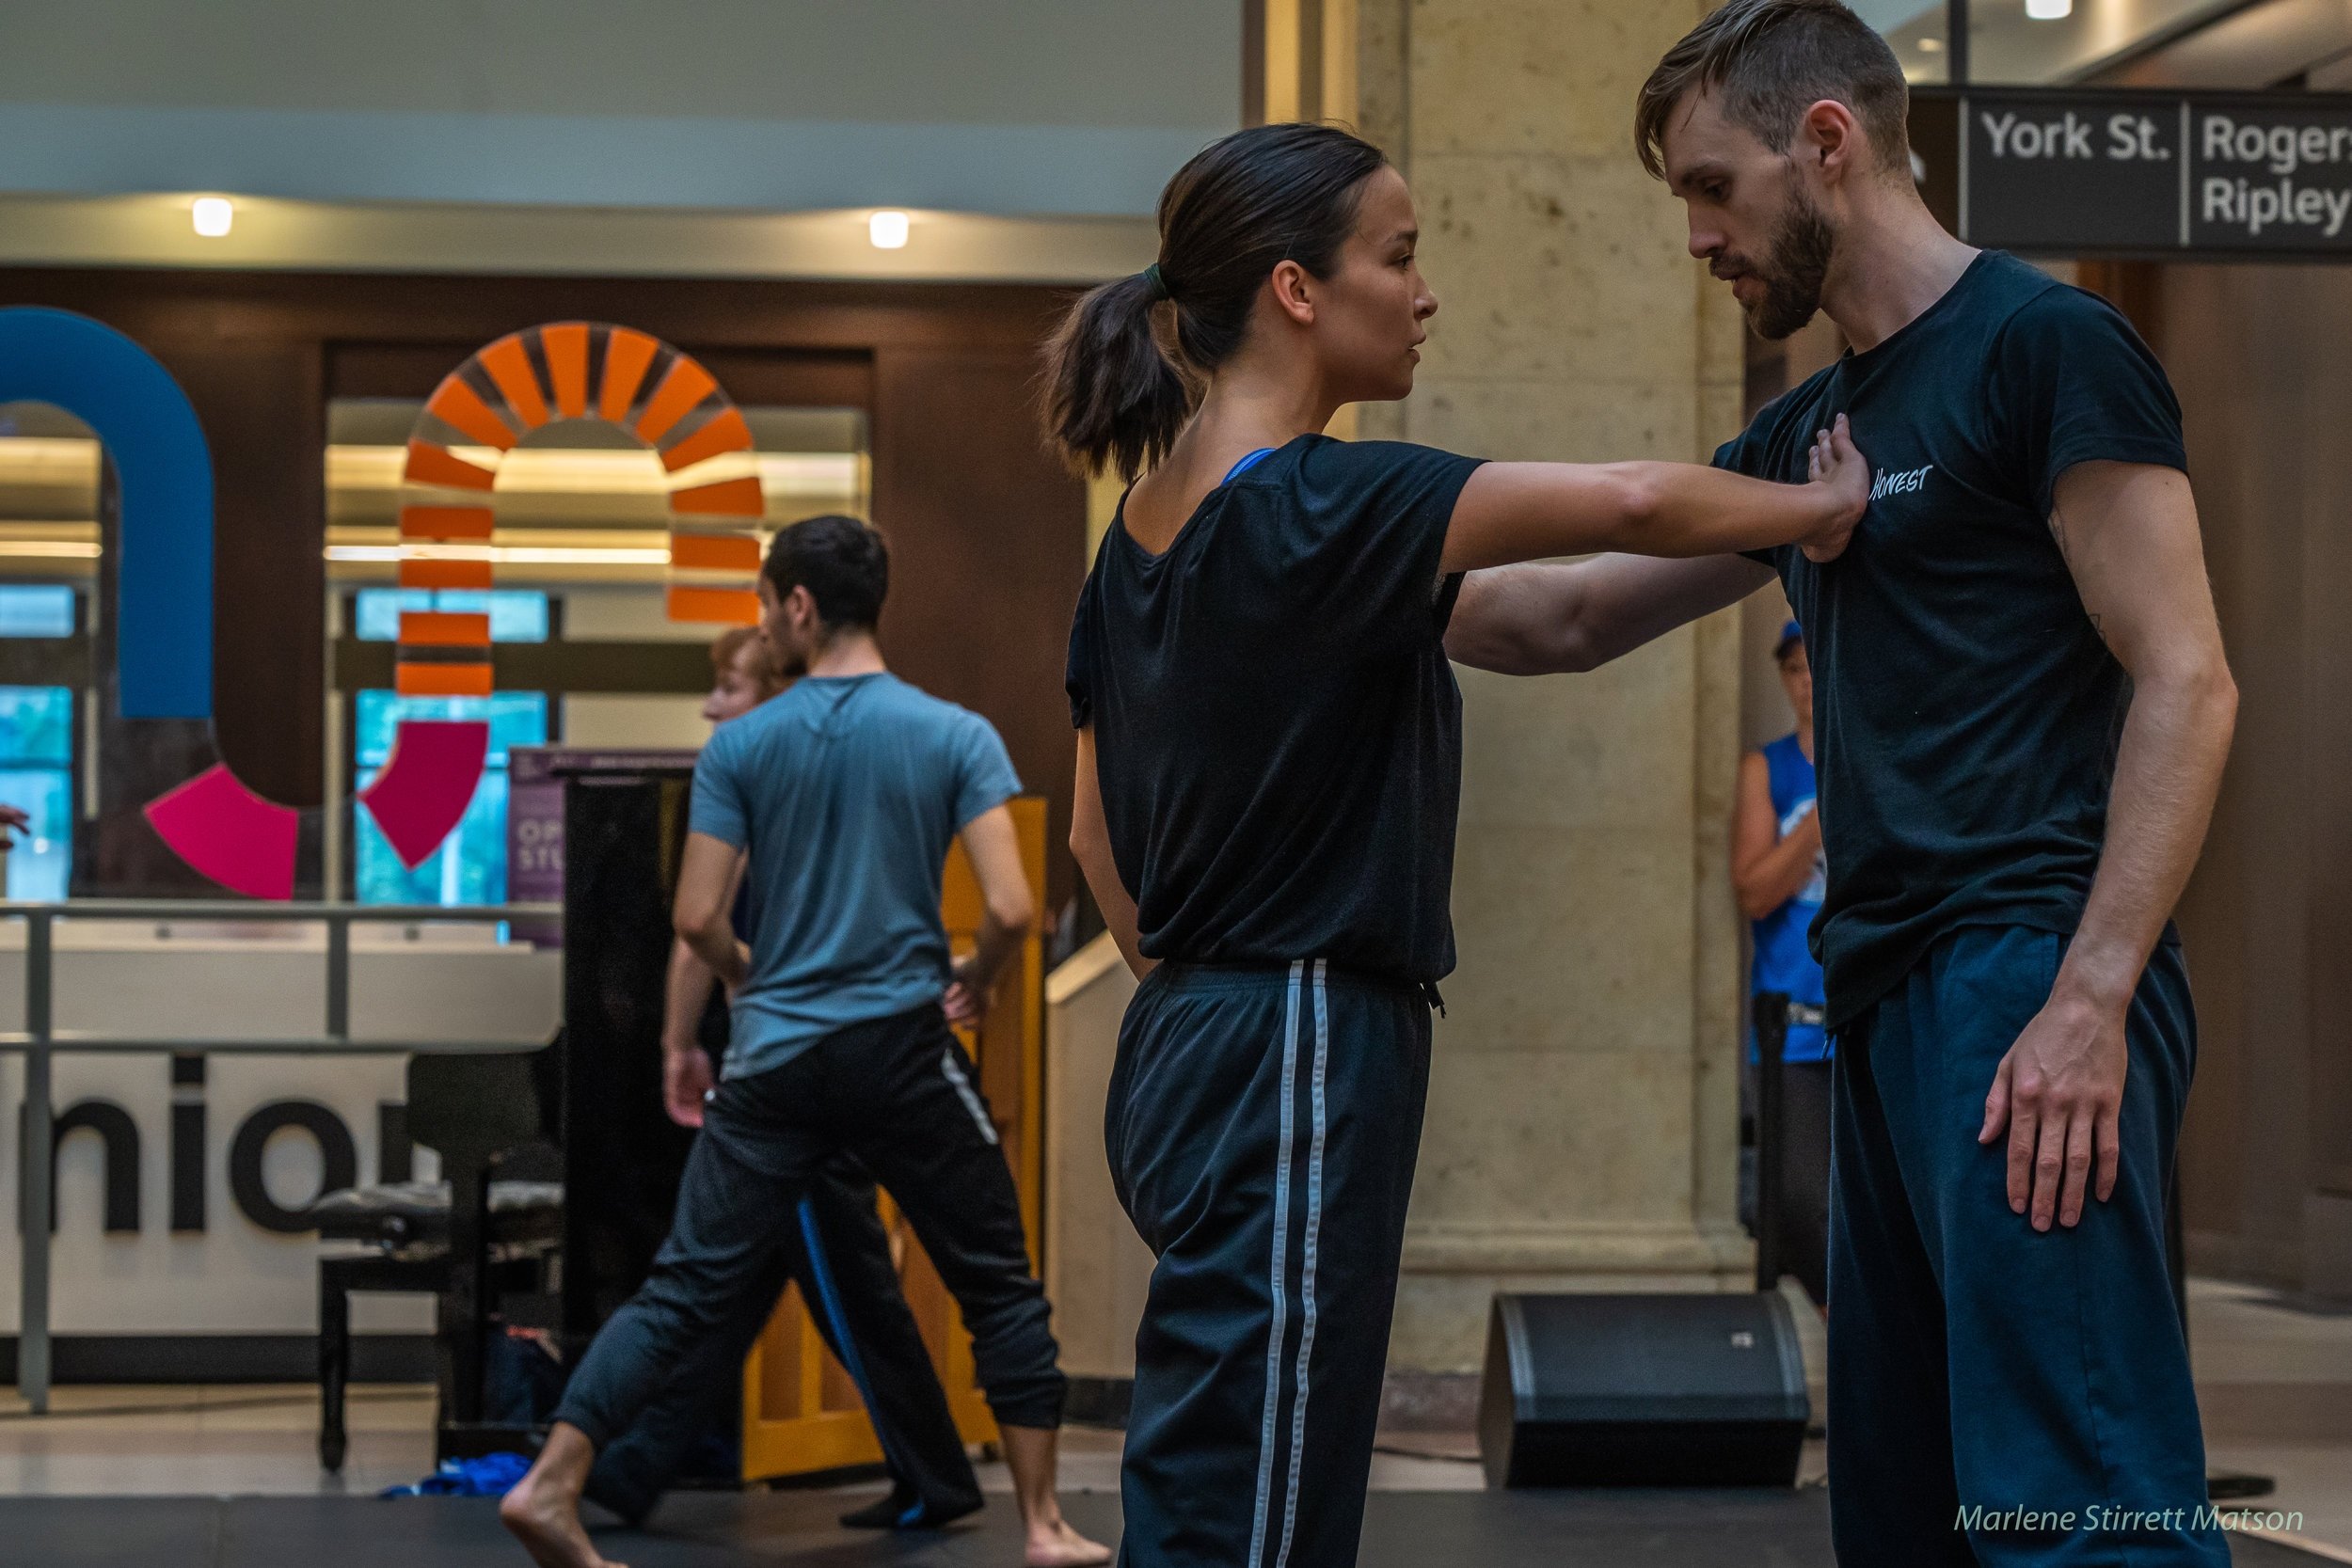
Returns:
<point x="1263" y="1125"/>
<point x="1980" y="1372"/>
<point x="839" y="1255"/>
<point x="901" y="1096"/>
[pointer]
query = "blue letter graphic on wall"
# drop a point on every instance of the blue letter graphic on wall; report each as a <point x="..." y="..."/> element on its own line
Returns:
<point x="163" y="608"/>
<point x="163" y="605"/>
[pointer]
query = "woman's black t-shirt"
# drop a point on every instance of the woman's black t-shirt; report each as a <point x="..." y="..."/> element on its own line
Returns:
<point x="1278" y="734"/>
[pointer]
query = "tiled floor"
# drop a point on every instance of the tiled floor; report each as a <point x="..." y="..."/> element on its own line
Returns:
<point x="260" y="1441"/>
<point x="2276" y="1386"/>
<point x="211" y="1441"/>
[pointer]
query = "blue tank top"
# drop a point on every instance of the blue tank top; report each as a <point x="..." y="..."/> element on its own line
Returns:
<point x="1783" y="957"/>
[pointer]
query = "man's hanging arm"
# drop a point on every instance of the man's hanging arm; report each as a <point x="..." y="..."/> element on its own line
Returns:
<point x="702" y="912"/>
<point x="2129" y="535"/>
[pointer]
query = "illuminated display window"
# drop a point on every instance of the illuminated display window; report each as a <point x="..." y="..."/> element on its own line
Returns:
<point x="36" y="611"/>
<point x="36" y="776"/>
<point x="515" y="615"/>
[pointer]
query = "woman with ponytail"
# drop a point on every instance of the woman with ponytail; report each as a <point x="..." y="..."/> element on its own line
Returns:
<point x="1269" y="765"/>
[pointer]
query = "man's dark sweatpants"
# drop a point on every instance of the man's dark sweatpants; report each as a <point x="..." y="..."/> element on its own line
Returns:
<point x="900" y="1094"/>
<point x="1974" y="1363"/>
<point x="1263" y="1126"/>
<point x="838" y="1252"/>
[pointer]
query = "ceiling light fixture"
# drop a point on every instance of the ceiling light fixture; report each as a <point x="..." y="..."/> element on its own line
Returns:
<point x="1930" y="46"/>
<point x="888" y="230"/>
<point x="2049" y="10"/>
<point x="213" y="216"/>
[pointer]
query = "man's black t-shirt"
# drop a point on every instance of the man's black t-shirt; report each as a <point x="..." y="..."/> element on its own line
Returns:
<point x="1965" y="710"/>
<point x="1277" y="730"/>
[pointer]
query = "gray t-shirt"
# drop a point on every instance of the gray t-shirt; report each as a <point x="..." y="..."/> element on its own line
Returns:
<point x="846" y="792"/>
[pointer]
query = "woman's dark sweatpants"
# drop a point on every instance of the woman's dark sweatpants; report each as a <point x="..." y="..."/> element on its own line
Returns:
<point x="900" y="1094"/>
<point x="1999" y="1395"/>
<point x="1263" y="1127"/>
<point x="838" y="1254"/>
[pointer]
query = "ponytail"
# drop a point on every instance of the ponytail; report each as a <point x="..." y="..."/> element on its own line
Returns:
<point x="1113" y="400"/>
<point x="1117" y="392"/>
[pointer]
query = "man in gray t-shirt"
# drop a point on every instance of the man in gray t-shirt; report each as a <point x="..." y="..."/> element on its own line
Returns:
<point x="831" y="811"/>
<point x="879" y="778"/>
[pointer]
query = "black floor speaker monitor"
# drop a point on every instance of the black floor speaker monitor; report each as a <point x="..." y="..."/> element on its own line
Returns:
<point x="1643" y="1390"/>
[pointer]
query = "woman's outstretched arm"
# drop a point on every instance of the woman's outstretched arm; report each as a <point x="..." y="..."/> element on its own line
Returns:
<point x="1512" y="512"/>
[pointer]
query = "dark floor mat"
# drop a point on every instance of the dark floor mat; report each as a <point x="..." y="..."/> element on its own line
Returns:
<point x="1402" y="1530"/>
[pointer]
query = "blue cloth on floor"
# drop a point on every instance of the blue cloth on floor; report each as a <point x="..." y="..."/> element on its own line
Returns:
<point x="493" y="1474"/>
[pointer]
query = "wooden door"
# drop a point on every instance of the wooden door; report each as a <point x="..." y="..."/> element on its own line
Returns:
<point x="801" y="1412"/>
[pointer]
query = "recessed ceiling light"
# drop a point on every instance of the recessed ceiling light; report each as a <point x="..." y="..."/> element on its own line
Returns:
<point x="1930" y="46"/>
<point x="2049" y="10"/>
<point x="888" y="230"/>
<point x="213" y="216"/>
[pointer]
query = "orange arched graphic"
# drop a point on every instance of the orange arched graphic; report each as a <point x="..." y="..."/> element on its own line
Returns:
<point x="568" y="370"/>
<point x="557" y="370"/>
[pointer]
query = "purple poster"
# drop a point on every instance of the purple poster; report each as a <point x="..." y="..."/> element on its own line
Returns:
<point x="534" y="814"/>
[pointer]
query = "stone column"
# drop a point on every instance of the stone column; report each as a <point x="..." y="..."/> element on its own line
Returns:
<point x="1582" y="1124"/>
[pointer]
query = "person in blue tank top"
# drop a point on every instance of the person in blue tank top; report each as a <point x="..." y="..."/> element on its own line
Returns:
<point x="1780" y="874"/>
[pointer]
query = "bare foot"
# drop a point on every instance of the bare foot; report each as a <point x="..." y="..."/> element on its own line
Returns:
<point x="547" y="1525"/>
<point x="1057" y="1546"/>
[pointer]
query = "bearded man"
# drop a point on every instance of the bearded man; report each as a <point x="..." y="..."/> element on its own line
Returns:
<point x="2022" y="710"/>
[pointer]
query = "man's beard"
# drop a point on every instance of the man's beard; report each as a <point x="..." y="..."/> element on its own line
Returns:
<point x="786" y="659"/>
<point x="1791" y="272"/>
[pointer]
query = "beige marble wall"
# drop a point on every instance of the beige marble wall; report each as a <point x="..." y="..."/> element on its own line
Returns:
<point x="1097" y="1268"/>
<point x="1583" y="1120"/>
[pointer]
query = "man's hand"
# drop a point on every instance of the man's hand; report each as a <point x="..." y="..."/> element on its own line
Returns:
<point x="15" y="819"/>
<point x="685" y="1079"/>
<point x="966" y="1001"/>
<point x="2059" y="1095"/>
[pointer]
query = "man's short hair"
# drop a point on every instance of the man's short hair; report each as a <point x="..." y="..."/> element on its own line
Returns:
<point x="842" y="563"/>
<point x="1770" y="60"/>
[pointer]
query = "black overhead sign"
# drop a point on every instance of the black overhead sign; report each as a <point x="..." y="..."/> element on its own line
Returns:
<point x="2179" y="174"/>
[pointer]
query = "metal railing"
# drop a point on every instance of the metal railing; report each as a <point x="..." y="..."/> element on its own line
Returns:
<point x="40" y="1039"/>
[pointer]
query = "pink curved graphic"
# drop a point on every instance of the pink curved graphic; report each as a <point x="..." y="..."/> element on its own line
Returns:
<point x="230" y="834"/>
<point x="427" y="784"/>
